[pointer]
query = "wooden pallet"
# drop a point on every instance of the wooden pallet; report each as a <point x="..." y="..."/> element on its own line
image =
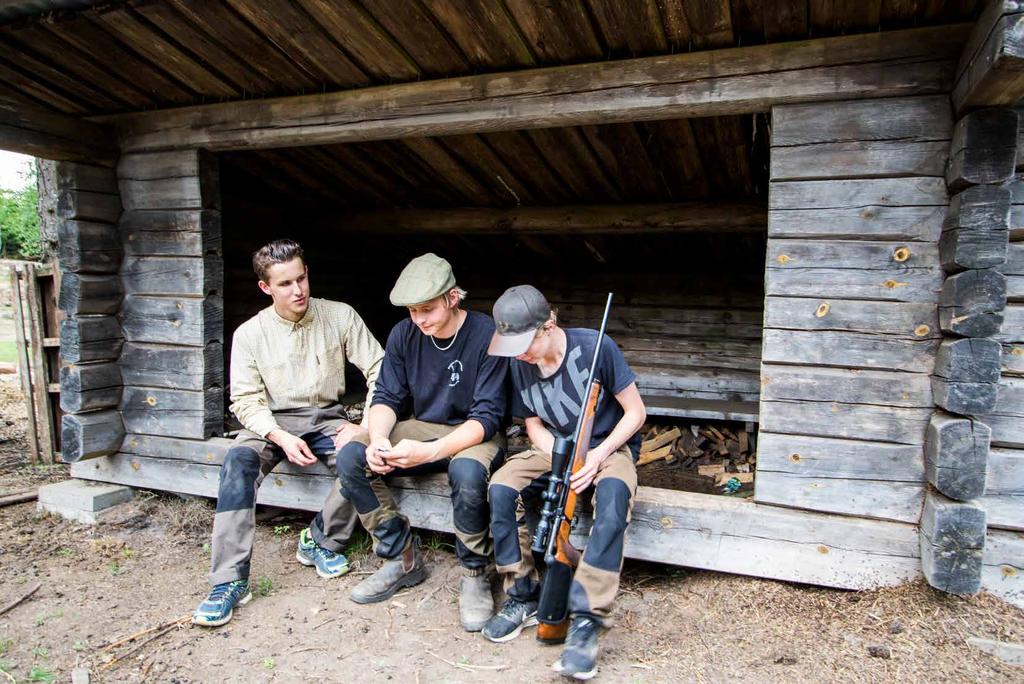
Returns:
<point x="34" y="289"/>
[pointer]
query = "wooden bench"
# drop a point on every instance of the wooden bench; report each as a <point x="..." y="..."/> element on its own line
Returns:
<point x="681" y="528"/>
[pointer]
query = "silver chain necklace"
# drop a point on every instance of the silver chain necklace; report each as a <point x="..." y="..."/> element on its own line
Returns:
<point x="454" y="337"/>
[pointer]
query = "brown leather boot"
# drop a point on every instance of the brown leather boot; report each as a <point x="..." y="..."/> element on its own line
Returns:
<point x="406" y="570"/>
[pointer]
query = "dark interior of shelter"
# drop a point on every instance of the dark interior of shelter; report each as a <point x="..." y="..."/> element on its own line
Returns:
<point x="670" y="216"/>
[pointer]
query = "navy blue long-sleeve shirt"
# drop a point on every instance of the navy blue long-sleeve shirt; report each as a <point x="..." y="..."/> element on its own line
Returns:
<point x="449" y="387"/>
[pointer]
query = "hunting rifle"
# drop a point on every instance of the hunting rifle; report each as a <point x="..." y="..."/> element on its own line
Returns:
<point x="552" y="534"/>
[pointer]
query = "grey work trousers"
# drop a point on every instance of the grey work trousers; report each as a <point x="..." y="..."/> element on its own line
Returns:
<point x="247" y="462"/>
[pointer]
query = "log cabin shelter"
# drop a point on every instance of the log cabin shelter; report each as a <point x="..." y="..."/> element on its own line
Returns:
<point x="809" y="213"/>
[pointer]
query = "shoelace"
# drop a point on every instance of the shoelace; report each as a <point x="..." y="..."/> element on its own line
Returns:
<point x="221" y="591"/>
<point x="326" y="554"/>
<point x="512" y="607"/>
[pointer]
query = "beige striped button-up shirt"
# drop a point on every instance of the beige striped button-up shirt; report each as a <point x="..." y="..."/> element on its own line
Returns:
<point x="278" y="365"/>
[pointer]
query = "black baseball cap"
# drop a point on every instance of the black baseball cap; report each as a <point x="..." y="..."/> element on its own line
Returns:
<point x="518" y="313"/>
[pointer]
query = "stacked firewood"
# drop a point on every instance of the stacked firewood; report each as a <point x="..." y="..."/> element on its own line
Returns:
<point x="717" y="453"/>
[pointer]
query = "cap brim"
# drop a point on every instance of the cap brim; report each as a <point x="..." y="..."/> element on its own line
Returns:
<point x="510" y="345"/>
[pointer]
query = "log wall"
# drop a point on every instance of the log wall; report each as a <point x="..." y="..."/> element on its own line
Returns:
<point x="89" y="253"/>
<point x="172" y="275"/>
<point x="1002" y="570"/>
<point x="856" y="206"/>
<point x="967" y="380"/>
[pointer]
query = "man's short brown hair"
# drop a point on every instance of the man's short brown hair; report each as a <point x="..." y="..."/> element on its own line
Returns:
<point x="276" y="252"/>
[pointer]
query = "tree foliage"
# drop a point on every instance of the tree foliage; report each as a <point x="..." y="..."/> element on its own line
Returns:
<point x="19" y="222"/>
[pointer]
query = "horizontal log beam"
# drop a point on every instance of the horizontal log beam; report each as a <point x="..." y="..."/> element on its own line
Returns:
<point x="690" y="217"/>
<point x="710" y="83"/>
<point x="50" y="135"/>
<point x="991" y="68"/>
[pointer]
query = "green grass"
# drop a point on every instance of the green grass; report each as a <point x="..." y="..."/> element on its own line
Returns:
<point x="360" y="545"/>
<point x="437" y="542"/>
<point x="8" y="351"/>
<point x="40" y="674"/>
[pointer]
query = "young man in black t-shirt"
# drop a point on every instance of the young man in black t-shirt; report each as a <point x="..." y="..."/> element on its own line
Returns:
<point x="549" y="377"/>
<point x="437" y="360"/>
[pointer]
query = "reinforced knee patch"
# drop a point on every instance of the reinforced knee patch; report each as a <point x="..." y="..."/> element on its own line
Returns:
<point x="468" y="480"/>
<point x="504" y="526"/>
<point x="238" y="478"/>
<point x="611" y="508"/>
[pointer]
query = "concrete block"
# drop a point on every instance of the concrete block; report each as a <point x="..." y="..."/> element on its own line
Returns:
<point x="81" y="500"/>
<point x="84" y="517"/>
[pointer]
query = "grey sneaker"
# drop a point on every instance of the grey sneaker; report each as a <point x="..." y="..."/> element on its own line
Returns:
<point x="476" y="603"/>
<point x="514" y="616"/>
<point x="579" y="658"/>
<point x="404" y="571"/>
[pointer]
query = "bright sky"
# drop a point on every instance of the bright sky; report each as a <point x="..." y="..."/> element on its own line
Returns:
<point x="13" y="168"/>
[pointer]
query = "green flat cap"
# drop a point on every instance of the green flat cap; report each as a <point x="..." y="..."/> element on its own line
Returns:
<point x="426" y="277"/>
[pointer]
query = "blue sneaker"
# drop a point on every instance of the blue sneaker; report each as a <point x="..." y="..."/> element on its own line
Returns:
<point x="217" y="608"/>
<point x="328" y="564"/>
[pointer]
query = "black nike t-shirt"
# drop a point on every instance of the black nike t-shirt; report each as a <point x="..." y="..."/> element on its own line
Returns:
<point x="558" y="398"/>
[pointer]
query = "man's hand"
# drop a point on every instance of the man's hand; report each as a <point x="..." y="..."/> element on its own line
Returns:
<point x="378" y="455"/>
<point x="584" y="477"/>
<point x="346" y="433"/>
<point x="410" y="452"/>
<point x="295" y="448"/>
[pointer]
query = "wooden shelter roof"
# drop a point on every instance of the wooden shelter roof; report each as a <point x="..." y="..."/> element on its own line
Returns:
<point x="145" y="54"/>
<point x="724" y="158"/>
<point x="138" y="55"/>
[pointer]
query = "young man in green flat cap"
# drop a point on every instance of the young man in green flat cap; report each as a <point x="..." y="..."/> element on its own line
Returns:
<point x="437" y="359"/>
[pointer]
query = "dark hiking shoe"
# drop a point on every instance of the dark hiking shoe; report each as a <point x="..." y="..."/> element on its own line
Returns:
<point x="514" y="616"/>
<point x="476" y="603"/>
<point x="397" y="573"/>
<point x="217" y="608"/>
<point x="579" y="659"/>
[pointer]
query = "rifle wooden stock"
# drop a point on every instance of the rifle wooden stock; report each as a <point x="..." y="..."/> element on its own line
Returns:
<point x="553" y="609"/>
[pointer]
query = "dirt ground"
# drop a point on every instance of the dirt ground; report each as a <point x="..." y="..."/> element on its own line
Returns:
<point x="145" y="568"/>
